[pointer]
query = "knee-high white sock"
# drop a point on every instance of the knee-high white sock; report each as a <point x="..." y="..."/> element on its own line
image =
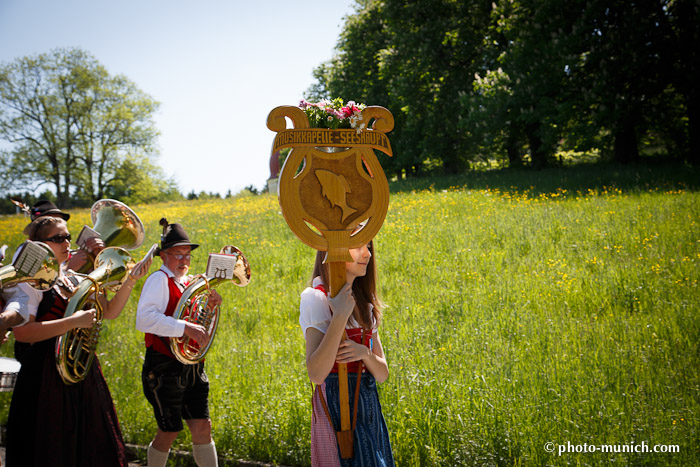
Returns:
<point x="155" y="457"/>
<point x="205" y="455"/>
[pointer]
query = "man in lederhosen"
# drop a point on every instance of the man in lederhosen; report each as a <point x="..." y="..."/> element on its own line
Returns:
<point x="175" y="390"/>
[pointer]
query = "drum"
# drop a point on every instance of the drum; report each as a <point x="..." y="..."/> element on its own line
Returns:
<point x="9" y="367"/>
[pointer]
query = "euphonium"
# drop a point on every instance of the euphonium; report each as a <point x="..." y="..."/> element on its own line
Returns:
<point x="35" y="264"/>
<point x="75" y="350"/>
<point x="117" y="225"/>
<point x="193" y="308"/>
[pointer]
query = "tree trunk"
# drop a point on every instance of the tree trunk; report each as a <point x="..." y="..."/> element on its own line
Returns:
<point x="62" y="198"/>
<point x="538" y="153"/>
<point x="693" y="112"/>
<point x="686" y="15"/>
<point x="626" y="149"/>
<point x="515" y="159"/>
<point x="451" y="167"/>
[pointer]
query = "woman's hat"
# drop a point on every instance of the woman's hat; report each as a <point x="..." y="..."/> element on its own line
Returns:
<point x="46" y="208"/>
<point x="42" y="208"/>
<point x="173" y="235"/>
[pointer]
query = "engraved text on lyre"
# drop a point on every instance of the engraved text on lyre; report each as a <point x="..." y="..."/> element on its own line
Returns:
<point x="335" y="188"/>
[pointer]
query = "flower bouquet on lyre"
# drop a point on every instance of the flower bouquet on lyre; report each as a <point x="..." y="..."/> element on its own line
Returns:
<point x="334" y="114"/>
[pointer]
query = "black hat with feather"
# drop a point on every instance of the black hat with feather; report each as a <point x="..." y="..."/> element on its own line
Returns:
<point x="173" y="235"/>
<point x="41" y="208"/>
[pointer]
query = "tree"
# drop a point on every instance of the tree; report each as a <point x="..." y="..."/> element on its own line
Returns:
<point x="414" y="58"/>
<point x="138" y="181"/>
<point x="625" y="67"/>
<point x="596" y="74"/>
<point x="437" y="48"/>
<point x="477" y="79"/>
<point x="71" y="124"/>
<point x="684" y="21"/>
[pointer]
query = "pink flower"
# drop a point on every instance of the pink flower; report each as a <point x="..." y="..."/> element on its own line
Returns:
<point x="337" y="114"/>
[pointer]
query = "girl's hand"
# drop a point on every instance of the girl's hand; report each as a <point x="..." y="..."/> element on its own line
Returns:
<point x="140" y="269"/>
<point x="77" y="260"/>
<point x="344" y="303"/>
<point x="84" y="318"/>
<point x="350" y="351"/>
<point x="94" y="245"/>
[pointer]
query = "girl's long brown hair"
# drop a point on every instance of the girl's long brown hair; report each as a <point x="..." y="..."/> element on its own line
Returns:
<point x="364" y="289"/>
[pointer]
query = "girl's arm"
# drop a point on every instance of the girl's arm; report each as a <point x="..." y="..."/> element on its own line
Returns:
<point x="321" y="349"/>
<point x="112" y="308"/>
<point x="374" y="360"/>
<point x="37" y="331"/>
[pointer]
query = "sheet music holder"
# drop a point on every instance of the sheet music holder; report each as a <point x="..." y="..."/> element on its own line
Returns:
<point x="30" y="258"/>
<point x="86" y="234"/>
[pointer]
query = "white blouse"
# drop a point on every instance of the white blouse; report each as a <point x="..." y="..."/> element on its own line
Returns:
<point x="17" y="300"/>
<point x="314" y="311"/>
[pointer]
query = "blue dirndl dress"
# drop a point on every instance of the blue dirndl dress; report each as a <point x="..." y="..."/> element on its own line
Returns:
<point x="371" y="445"/>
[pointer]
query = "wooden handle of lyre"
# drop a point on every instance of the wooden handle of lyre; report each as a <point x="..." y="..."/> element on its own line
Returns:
<point x="338" y="279"/>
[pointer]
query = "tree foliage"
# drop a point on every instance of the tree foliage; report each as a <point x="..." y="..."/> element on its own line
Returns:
<point x="72" y="125"/>
<point x="520" y="80"/>
<point x="137" y="180"/>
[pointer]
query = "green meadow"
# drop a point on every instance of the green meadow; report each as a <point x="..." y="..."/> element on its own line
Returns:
<point x="522" y="308"/>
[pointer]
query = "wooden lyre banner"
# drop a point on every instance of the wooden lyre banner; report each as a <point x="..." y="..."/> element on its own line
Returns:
<point x="333" y="199"/>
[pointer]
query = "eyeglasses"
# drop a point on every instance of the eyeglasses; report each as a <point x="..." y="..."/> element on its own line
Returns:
<point x="58" y="238"/>
<point x="179" y="257"/>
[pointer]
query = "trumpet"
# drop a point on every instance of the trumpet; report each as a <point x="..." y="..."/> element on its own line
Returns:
<point x="116" y="224"/>
<point x="193" y="305"/>
<point x="75" y="350"/>
<point x="35" y="265"/>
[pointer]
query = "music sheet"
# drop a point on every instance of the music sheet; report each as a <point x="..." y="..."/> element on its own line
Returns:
<point x="221" y="266"/>
<point x="30" y="259"/>
<point x="86" y="234"/>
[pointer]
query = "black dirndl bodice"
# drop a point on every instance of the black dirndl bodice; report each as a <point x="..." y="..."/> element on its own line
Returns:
<point x="52" y="423"/>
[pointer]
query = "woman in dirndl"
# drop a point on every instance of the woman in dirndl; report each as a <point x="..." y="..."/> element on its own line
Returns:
<point x="51" y="423"/>
<point x="356" y="309"/>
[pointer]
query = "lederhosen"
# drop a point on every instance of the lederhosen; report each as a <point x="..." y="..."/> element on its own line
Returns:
<point x="52" y="423"/>
<point x="175" y="390"/>
<point x="371" y="438"/>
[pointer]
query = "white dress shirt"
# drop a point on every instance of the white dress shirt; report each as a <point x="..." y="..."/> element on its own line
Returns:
<point x="150" y="313"/>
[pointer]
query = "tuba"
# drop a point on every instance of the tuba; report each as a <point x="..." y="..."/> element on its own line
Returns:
<point x="192" y="306"/>
<point x="35" y="264"/>
<point x="75" y="350"/>
<point x="117" y="225"/>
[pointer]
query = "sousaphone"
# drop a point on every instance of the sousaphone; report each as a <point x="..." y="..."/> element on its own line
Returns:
<point x="193" y="306"/>
<point x="75" y="350"/>
<point x="117" y="225"/>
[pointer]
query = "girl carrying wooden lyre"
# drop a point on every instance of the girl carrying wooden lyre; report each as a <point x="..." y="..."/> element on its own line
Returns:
<point x="356" y="309"/>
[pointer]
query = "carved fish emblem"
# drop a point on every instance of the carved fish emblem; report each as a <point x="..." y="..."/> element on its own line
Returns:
<point x="335" y="188"/>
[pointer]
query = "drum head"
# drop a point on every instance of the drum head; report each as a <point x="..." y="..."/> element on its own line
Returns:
<point x="9" y="367"/>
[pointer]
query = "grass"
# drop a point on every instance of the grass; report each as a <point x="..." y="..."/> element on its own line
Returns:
<point x="523" y="308"/>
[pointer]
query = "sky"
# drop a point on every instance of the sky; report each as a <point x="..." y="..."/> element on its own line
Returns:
<point x="216" y="67"/>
